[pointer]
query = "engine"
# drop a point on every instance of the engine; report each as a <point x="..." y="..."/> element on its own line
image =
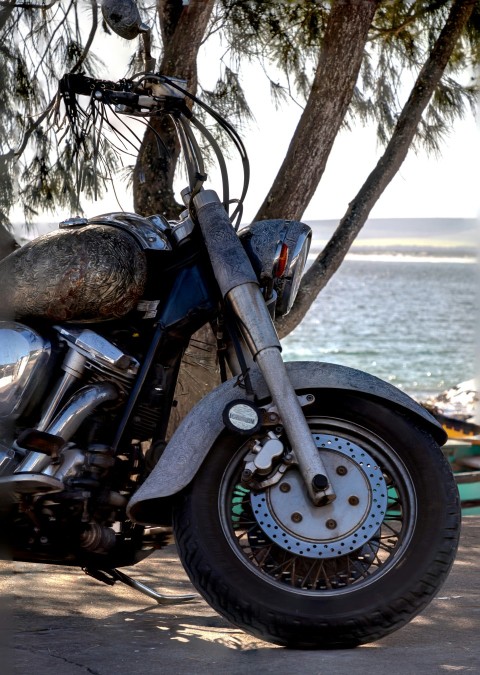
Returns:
<point x="53" y="466"/>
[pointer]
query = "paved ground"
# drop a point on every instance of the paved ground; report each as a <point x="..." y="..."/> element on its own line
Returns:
<point x="65" y="623"/>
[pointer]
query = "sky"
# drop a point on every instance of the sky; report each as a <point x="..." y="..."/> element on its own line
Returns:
<point x="424" y="187"/>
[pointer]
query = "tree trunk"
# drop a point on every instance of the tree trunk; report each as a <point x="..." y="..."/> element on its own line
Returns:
<point x="6" y="10"/>
<point x="329" y="260"/>
<point x="199" y="374"/>
<point x="332" y="90"/>
<point x="183" y="28"/>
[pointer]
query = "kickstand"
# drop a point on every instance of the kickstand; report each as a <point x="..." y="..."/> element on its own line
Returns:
<point x="111" y="576"/>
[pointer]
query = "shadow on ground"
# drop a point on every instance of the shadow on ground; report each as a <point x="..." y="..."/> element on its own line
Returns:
<point x="57" y="619"/>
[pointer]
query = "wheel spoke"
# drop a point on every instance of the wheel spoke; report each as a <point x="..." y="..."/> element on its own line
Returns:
<point x="282" y="566"/>
<point x="306" y="576"/>
<point x="322" y="565"/>
<point x="245" y="533"/>
<point x="389" y="527"/>
<point x="318" y="574"/>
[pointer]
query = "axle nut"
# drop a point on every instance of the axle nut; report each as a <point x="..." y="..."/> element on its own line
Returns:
<point x="320" y="482"/>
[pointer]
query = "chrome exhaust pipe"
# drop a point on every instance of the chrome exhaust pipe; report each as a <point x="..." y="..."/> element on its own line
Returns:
<point x="68" y="420"/>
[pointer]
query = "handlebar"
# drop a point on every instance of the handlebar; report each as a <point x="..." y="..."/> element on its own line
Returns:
<point x="130" y="96"/>
<point x="149" y="95"/>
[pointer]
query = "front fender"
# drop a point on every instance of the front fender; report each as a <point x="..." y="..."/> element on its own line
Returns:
<point x="199" y="430"/>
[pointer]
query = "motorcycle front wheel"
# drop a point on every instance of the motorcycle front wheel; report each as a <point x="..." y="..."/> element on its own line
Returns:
<point x="332" y="576"/>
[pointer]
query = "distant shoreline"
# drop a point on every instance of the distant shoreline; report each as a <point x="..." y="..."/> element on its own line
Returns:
<point x="393" y="249"/>
<point x="402" y="233"/>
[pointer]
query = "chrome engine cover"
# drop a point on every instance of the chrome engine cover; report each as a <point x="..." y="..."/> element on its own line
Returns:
<point x="24" y="356"/>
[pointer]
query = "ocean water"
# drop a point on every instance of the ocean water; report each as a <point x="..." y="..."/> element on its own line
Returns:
<point x="408" y="319"/>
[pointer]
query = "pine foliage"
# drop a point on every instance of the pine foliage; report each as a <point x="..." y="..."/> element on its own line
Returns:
<point x="40" y="40"/>
<point x="288" y="35"/>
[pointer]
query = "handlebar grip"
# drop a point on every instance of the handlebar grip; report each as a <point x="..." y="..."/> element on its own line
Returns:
<point x="230" y="262"/>
<point x="77" y="84"/>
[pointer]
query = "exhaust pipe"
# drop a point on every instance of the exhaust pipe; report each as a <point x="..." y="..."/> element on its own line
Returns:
<point x="69" y="419"/>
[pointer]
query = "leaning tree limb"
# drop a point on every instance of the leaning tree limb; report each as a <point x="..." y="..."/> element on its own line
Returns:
<point x="336" y="74"/>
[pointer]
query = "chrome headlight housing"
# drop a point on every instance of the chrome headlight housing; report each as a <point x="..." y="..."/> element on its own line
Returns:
<point x="278" y="251"/>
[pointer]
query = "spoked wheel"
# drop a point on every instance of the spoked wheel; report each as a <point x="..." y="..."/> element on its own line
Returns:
<point x="330" y="576"/>
<point x="333" y="546"/>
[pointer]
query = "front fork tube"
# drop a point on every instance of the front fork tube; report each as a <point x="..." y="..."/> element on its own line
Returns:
<point x="260" y="336"/>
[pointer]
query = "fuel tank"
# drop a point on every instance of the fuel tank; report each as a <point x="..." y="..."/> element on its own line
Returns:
<point x="88" y="273"/>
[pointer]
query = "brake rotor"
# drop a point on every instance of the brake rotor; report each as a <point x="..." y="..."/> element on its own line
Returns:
<point x="287" y="516"/>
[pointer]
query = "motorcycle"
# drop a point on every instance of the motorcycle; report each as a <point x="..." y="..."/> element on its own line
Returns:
<point x="310" y="503"/>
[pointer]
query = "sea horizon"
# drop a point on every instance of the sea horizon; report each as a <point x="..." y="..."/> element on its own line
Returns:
<point x="435" y="232"/>
<point x="408" y="240"/>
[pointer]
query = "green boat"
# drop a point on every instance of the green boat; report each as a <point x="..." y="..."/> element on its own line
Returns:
<point x="455" y="410"/>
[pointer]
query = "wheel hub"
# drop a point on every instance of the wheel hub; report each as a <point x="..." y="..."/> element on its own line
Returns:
<point x="287" y="516"/>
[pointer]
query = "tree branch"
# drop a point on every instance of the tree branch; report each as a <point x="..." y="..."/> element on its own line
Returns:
<point x="11" y="154"/>
<point x="6" y="13"/>
<point x="91" y="36"/>
<point x="46" y="48"/>
<point x="332" y="89"/>
<point x="40" y="119"/>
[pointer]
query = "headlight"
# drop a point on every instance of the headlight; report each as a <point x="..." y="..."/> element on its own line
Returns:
<point x="278" y="251"/>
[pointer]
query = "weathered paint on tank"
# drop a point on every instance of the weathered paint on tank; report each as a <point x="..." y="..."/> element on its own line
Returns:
<point x="90" y="273"/>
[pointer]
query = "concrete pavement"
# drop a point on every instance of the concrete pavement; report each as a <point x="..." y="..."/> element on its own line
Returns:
<point x="63" y="622"/>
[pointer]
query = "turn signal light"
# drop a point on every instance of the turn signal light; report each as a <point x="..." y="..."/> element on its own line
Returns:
<point x="282" y="261"/>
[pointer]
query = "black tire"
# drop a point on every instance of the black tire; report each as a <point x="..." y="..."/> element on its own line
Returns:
<point x="347" y="599"/>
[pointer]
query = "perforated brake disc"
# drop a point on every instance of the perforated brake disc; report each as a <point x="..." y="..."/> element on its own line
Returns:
<point x="287" y="516"/>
